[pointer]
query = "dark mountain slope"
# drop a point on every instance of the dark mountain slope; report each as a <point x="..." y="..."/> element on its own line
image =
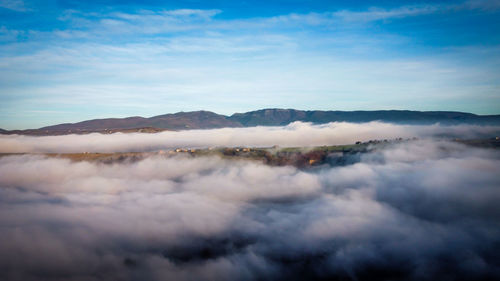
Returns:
<point x="192" y="120"/>
<point x="102" y="124"/>
<point x="268" y="117"/>
<point x="284" y="116"/>
<point x="176" y="121"/>
<point x="393" y="116"/>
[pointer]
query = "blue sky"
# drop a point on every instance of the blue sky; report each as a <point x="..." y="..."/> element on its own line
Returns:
<point x="67" y="61"/>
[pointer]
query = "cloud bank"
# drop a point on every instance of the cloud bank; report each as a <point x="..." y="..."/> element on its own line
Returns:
<point x="295" y="134"/>
<point x="421" y="210"/>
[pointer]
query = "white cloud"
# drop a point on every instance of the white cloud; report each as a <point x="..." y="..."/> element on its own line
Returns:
<point x="16" y="5"/>
<point x="193" y="12"/>
<point x="295" y="134"/>
<point x="375" y="14"/>
<point x="141" y="22"/>
<point x="415" y="209"/>
<point x="488" y="5"/>
<point x="203" y="72"/>
<point x="167" y="21"/>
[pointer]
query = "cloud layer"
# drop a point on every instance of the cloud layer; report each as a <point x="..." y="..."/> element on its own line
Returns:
<point x="421" y="210"/>
<point x="295" y="134"/>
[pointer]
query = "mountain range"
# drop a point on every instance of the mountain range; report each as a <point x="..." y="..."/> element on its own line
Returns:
<point x="264" y="117"/>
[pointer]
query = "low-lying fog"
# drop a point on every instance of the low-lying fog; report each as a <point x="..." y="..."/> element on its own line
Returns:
<point x="419" y="210"/>
<point x="295" y="134"/>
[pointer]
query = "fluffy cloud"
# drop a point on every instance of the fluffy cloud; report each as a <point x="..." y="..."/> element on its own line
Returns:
<point x="295" y="134"/>
<point x="421" y="210"/>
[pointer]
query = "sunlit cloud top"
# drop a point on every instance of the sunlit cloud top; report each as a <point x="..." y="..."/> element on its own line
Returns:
<point x="66" y="61"/>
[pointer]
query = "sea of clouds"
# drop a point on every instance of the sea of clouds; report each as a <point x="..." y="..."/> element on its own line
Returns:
<point x="426" y="209"/>
<point x="295" y="134"/>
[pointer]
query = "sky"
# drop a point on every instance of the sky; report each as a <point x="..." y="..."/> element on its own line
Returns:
<point x="68" y="61"/>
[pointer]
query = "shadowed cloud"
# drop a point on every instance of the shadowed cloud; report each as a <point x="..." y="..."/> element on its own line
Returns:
<point x="421" y="210"/>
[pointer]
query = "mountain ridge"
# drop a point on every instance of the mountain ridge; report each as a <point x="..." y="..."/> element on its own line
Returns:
<point x="203" y="119"/>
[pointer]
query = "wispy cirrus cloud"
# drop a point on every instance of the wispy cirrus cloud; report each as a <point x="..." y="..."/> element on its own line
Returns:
<point x="482" y="4"/>
<point x="217" y="72"/>
<point x="15" y="5"/>
<point x="377" y="13"/>
<point x="374" y="14"/>
<point x="140" y="22"/>
<point x="168" y="21"/>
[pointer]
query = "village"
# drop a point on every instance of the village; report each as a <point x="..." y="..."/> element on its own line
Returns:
<point x="300" y="157"/>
